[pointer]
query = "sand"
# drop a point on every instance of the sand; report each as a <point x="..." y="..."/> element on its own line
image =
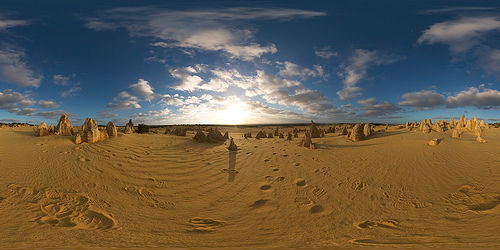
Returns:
<point x="160" y="190"/>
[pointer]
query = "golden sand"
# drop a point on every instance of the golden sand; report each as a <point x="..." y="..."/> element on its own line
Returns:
<point x="158" y="190"/>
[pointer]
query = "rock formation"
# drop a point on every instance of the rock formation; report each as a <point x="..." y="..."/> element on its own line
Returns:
<point x="306" y="142"/>
<point x="462" y="120"/>
<point x="111" y="129"/>
<point x="425" y="128"/>
<point x="437" y="127"/>
<point x="276" y="133"/>
<point x="315" y="132"/>
<point x="215" y="136"/>
<point x="51" y="129"/>
<point x="344" y="131"/>
<point x="226" y="135"/>
<point x="468" y="125"/>
<point x="480" y="139"/>
<point x="64" y="126"/>
<point x="281" y="135"/>
<point x="90" y="131"/>
<point x="232" y="146"/>
<point x="270" y="135"/>
<point x="407" y="126"/>
<point x="248" y="135"/>
<point x="42" y="129"/>
<point x="77" y="139"/>
<point x="200" y="136"/>
<point x="367" y="130"/>
<point x="289" y="137"/>
<point x="433" y="142"/>
<point x="167" y="131"/>
<point x="103" y="134"/>
<point x="452" y="124"/>
<point x="179" y="132"/>
<point x="455" y="133"/>
<point x="261" y="134"/>
<point x="296" y="134"/>
<point x="357" y="133"/>
<point x="129" y="127"/>
<point x="481" y="124"/>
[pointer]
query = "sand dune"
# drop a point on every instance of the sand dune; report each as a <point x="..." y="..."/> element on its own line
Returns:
<point x="146" y="190"/>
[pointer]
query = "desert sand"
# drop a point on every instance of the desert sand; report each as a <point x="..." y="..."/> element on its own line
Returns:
<point x="161" y="190"/>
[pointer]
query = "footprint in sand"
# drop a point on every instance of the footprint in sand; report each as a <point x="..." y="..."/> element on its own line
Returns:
<point x="280" y="178"/>
<point x="472" y="197"/>
<point x="265" y="187"/>
<point x="303" y="201"/>
<point x="316" y="209"/>
<point x="204" y="225"/>
<point x="82" y="159"/>
<point x="387" y="224"/>
<point x="300" y="182"/>
<point x="259" y="203"/>
<point x="63" y="208"/>
<point x="296" y="164"/>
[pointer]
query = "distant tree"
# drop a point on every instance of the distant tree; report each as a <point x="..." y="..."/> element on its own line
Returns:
<point x="142" y="128"/>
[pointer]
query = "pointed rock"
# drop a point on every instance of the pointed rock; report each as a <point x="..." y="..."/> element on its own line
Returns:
<point x="281" y="135"/>
<point x="306" y="142"/>
<point x="111" y="129"/>
<point x="276" y="133"/>
<point x="90" y="133"/>
<point x="357" y="133"/>
<point x="455" y="133"/>
<point x="64" y="126"/>
<point x="42" y="130"/>
<point x="344" y="131"/>
<point x="480" y="139"/>
<point x="367" y="129"/>
<point x="129" y="127"/>
<point x="226" y="135"/>
<point x="77" y="139"/>
<point x="433" y="142"/>
<point x="232" y="146"/>
<point x="315" y="133"/>
<point x="200" y="136"/>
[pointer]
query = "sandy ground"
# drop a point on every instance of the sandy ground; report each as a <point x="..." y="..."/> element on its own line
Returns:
<point x="158" y="190"/>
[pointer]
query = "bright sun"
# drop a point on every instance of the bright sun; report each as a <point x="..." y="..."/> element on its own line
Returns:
<point x="233" y="115"/>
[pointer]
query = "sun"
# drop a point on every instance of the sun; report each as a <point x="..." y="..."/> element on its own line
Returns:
<point x="233" y="115"/>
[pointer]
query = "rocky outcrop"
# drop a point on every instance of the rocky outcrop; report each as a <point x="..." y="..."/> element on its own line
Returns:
<point x="433" y="142"/>
<point x="344" y="131"/>
<point x="480" y="139"/>
<point x="425" y="128"/>
<point x="215" y="136"/>
<point x="452" y="124"/>
<point x="315" y="132"/>
<point x="289" y="136"/>
<point x="462" y="120"/>
<point x="281" y="135"/>
<point x="179" y="132"/>
<point x="77" y="139"/>
<point x="64" y="126"/>
<point x="367" y="129"/>
<point x="261" y="134"/>
<point x="306" y="142"/>
<point x="468" y="125"/>
<point x="42" y="130"/>
<point x="90" y="131"/>
<point x="129" y="127"/>
<point x="200" y="136"/>
<point x="455" y="133"/>
<point x="232" y="146"/>
<point x="276" y="133"/>
<point x="226" y="135"/>
<point x="111" y="129"/>
<point x="270" y="135"/>
<point x="247" y="135"/>
<point x="357" y="133"/>
<point x="437" y="127"/>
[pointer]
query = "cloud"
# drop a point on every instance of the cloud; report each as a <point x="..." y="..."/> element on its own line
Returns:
<point x="293" y="70"/>
<point x="455" y="9"/>
<point x="372" y="108"/>
<point x="67" y="81"/>
<point x="9" y="23"/>
<point x="460" y="35"/>
<point x="142" y="88"/>
<point x="356" y="70"/>
<point x="481" y="97"/>
<point x="14" y="102"/>
<point x="15" y="71"/>
<point x="189" y="82"/>
<point x="423" y="99"/>
<point x="124" y="104"/>
<point x="326" y="53"/>
<point x="55" y="114"/>
<point x="203" y="29"/>
<point x="106" y="114"/>
<point x="47" y="104"/>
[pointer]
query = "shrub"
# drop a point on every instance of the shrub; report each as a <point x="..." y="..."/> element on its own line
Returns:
<point x="142" y="128"/>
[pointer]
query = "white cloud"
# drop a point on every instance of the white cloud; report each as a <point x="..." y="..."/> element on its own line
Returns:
<point x="356" y="70"/>
<point x="14" y="102"/>
<point x="294" y="70"/>
<point x="372" y="108"/>
<point x="124" y="104"/>
<point x="67" y="81"/>
<point x="47" y="104"/>
<point x="460" y="35"/>
<point x="72" y="90"/>
<point x="475" y="97"/>
<point x="15" y="71"/>
<point x="9" y="23"/>
<point x="142" y="88"/>
<point x="204" y="30"/>
<point x="61" y="80"/>
<point x="106" y="114"/>
<point x="423" y="99"/>
<point x="189" y="82"/>
<point x="55" y="114"/>
<point x="326" y="53"/>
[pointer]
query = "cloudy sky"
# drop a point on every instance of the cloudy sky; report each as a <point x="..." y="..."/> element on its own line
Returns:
<point x="231" y="62"/>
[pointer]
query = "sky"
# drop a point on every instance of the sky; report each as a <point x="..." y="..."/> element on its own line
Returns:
<point x="249" y="62"/>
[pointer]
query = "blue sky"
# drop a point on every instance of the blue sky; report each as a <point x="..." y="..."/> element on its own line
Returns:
<point x="230" y="62"/>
